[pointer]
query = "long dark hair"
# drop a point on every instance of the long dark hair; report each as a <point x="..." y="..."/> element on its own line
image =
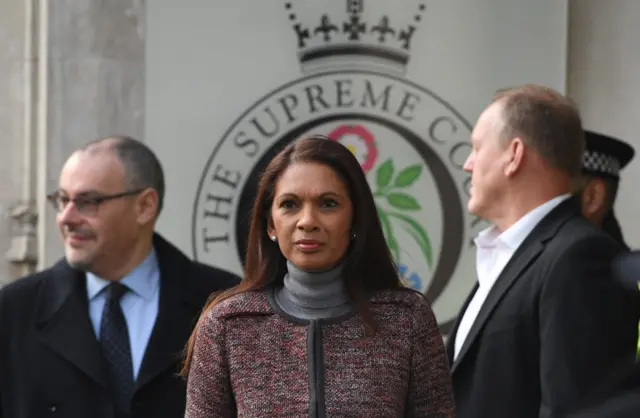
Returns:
<point x="369" y="266"/>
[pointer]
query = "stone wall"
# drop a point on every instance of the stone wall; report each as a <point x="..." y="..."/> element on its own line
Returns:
<point x="87" y="81"/>
<point x="12" y="118"/>
<point x="74" y="70"/>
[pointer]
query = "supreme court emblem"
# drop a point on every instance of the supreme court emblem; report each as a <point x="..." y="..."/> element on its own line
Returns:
<point x="410" y="143"/>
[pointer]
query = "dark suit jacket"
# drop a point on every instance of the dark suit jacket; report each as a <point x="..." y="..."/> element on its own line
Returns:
<point x="553" y="324"/>
<point x="50" y="359"/>
<point x="619" y="397"/>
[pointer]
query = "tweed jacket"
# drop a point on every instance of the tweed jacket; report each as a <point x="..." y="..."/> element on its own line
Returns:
<point x="251" y="359"/>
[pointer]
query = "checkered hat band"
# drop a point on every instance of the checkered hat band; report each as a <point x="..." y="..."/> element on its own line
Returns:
<point x="600" y="163"/>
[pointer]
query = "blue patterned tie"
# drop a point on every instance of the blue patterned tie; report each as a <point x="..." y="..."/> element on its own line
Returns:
<point x="114" y="339"/>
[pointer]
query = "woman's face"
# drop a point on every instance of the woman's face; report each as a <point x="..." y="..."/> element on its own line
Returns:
<point x="311" y="216"/>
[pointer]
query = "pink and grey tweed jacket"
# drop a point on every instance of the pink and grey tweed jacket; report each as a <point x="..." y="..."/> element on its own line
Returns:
<point x="253" y="360"/>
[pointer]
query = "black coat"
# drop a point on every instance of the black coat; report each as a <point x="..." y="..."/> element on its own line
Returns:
<point x="618" y="397"/>
<point x="50" y="360"/>
<point x="553" y="325"/>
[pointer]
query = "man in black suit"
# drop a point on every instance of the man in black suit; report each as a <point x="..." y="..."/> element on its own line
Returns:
<point x="100" y="334"/>
<point x="545" y="321"/>
<point x="603" y="159"/>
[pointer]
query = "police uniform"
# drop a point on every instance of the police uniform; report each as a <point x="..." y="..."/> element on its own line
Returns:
<point x="619" y="395"/>
<point x="605" y="157"/>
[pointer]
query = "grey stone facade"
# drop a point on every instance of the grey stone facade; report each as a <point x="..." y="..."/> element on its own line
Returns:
<point x="74" y="70"/>
<point x="83" y="78"/>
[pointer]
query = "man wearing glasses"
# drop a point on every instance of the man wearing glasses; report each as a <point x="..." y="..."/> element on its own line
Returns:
<point x="100" y="334"/>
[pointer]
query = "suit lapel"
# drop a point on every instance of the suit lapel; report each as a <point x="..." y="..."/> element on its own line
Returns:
<point x="62" y="321"/>
<point x="513" y="270"/>
<point x="177" y="313"/>
<point x="524" y="256"/>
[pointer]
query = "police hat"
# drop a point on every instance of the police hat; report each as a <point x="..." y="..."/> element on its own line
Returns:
<point x="605" y="156"/>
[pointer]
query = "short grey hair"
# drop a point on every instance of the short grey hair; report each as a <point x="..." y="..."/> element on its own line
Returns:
<point x="547" y="121"/>
<point x="142" y="169"/>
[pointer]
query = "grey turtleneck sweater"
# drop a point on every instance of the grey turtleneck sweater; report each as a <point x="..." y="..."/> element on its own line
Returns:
<point x="313" y="295"/>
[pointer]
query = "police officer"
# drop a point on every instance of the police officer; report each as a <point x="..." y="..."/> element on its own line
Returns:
<point x="619" y="394"/>
<point x="604" y="158"/>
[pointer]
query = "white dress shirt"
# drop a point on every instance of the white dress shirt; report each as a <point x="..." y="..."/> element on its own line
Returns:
<point x="494" y="250"/>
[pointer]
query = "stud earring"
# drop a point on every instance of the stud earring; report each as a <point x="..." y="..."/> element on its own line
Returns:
<point x="274" y="238"/>
<point x="353" y="236"/>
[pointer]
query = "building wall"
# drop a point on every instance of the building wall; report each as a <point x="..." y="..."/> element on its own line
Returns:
<point x="95" y="87"/>
<point x="12" y="117"/>
<point x="70" y="71"/>
<point x="75" y="70"/>
<point x="604" y="78"/>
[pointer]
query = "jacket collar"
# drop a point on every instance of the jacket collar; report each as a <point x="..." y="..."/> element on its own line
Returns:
<point x="61" y="325"/>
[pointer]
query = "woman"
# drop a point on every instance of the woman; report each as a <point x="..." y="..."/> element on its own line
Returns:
<point x="321" y="324"/>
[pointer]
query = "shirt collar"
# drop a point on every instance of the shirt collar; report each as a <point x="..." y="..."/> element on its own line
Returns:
<point x="143" y="280"/>
<point x="518" y="232"/>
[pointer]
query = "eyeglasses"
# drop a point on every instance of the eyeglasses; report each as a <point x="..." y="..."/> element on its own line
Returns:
<point x="86" y="205"/>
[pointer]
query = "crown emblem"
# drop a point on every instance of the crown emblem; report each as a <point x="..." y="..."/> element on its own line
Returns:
<point x="345" y="39"/>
